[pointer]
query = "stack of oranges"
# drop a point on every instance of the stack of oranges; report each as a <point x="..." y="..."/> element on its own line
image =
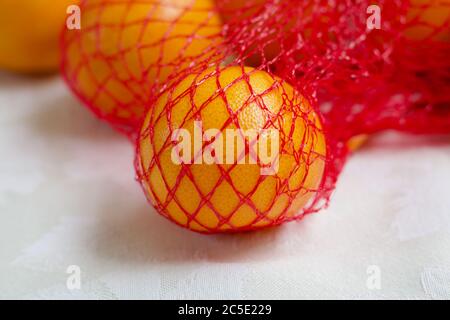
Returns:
<point x="152" y="68"/>
<point x="166" y="62"/>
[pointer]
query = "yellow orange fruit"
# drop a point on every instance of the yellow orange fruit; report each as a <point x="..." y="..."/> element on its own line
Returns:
<point x="231" y="196"/>
<point x="429" y="19"/>
<point x="29" y="32"/>
<point x="125" y="49"/>
<point x="357" y="142"/>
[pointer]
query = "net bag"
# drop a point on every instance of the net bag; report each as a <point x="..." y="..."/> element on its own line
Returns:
<point x="179" y="76"/>
<point x="236" y="109"/>
<point x="364" y="80"/>
<point x="126" y="51"/>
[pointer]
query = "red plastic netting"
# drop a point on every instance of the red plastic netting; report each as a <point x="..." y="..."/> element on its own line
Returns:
<point x="311" y="70"/>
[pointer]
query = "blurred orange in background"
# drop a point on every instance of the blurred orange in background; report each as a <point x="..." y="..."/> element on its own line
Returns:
<point x="429" y="19"/>
<point x="29" y="33"/>
<point x="141" y="45"/>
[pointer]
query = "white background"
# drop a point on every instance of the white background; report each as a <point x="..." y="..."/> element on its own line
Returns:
<point x="68" y="197"/>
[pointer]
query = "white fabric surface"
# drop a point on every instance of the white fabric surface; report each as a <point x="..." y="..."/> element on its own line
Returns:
<point x="68" y="197"/>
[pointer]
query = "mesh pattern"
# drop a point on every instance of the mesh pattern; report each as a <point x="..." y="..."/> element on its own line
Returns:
<point x="393" y="78"/>
<point x="235" y="197"/>
<point x="331" y="76"/>
<point x="127" y="50"/>
<point x="364" y="80"/>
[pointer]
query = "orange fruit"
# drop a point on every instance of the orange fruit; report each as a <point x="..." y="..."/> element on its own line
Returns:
<point x="29" y="32"/>
<point x="126" y="49"/>
<point x="429" y="19"/>
<point x="230" y="196"/>
<point x="357" y="142"/>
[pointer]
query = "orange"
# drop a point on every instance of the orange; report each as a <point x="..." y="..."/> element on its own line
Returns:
<point x="233" y="196"/>
<point x="357" y="142"/>
<point x="126" y="49"/>
<point x="29" y="32"/>
<point x="429" y="19"/>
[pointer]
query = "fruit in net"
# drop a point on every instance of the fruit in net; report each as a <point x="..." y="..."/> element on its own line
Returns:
<point x="29" y="32"/>
<point x="257" y="18"/>
<point x="127" y="50"/>
<point x="232" y="197"/>
<point x="429" y="19"/>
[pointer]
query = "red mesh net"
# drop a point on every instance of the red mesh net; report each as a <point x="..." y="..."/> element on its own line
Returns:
<point x="233" y="195"/>
<point x="311" y="70"/>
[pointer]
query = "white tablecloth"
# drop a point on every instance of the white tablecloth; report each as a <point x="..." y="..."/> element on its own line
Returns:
<point x="68" y="197"/>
